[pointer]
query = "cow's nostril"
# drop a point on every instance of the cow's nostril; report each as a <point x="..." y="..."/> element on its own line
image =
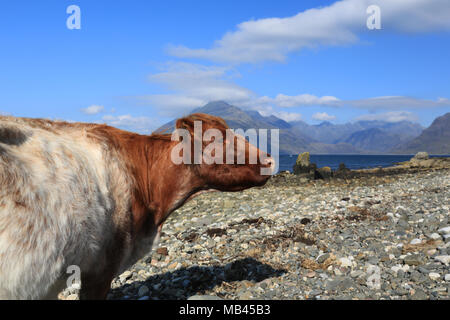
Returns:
<point x="269" y="162"/>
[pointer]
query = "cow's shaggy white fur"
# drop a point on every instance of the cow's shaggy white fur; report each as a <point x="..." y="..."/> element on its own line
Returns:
<point x="61" y="193"/>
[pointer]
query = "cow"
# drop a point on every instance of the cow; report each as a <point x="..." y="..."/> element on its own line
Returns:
<point x="94" y="196"/>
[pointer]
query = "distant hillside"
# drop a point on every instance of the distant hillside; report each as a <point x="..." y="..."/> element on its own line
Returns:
<point x="338" y="148"/>
<point x="327" y="132"/>
<point x="360" y="133"/>
<point x="435" y="139"/>
<point x="298" y="136"/>
<point x="376" y="139"/>
<point x="290" y="143"/>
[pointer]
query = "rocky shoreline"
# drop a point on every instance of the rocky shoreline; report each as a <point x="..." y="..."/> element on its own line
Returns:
<point x="420" y="162"/>
<point x="369" y="237"/>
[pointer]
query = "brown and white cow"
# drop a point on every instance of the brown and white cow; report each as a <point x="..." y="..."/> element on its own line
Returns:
<point x="93" y="196"/>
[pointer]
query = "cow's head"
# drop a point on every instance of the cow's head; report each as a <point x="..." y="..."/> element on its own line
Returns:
<point x="225" y="161"/>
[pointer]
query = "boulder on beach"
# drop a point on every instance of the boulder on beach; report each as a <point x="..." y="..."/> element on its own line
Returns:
<point x="323" y="173"/>
<point x="421" y="159"/>
<point x="303" y="165"/>
<point x="303" y="160"/>
<point x="342" y="171"/>
<point x="421" y="156"/>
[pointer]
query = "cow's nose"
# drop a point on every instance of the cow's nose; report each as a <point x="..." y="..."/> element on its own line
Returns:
<point x="270" y="162"/>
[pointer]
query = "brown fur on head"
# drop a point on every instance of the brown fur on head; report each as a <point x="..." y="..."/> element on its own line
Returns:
<point x="223" y="176"/>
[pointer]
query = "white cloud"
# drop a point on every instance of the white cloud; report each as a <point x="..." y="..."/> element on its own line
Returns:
<point x="392" y="116"/>
<point x="272" y="39"/>
<point x="127" y="122"/>
<point x="394" y="103"/>
<point x="323" y="116"/>
<point x="193" y="85"/>
<point x="173" y="104"/>
<point x="93" y="109"/>
<point x="286" y="116"/>
<point x="371" y="104"/>
<point x="285" y="101"/>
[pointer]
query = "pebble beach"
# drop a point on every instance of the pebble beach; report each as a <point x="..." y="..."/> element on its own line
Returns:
<point x="371" y="237"/>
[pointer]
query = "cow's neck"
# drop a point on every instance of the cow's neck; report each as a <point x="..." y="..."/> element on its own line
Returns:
<point x="161" y="186"/>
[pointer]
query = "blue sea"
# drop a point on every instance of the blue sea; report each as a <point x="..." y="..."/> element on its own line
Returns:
<point x="354" y="161"/>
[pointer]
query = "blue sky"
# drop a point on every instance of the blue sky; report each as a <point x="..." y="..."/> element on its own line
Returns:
<point x="138" y="64"/>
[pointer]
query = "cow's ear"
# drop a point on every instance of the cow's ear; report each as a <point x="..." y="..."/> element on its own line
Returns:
<point x="185" y="123"/>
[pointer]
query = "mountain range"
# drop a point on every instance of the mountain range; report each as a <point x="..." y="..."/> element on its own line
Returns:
<point x="435" y="139"/>
<point x="360" y="137"/>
